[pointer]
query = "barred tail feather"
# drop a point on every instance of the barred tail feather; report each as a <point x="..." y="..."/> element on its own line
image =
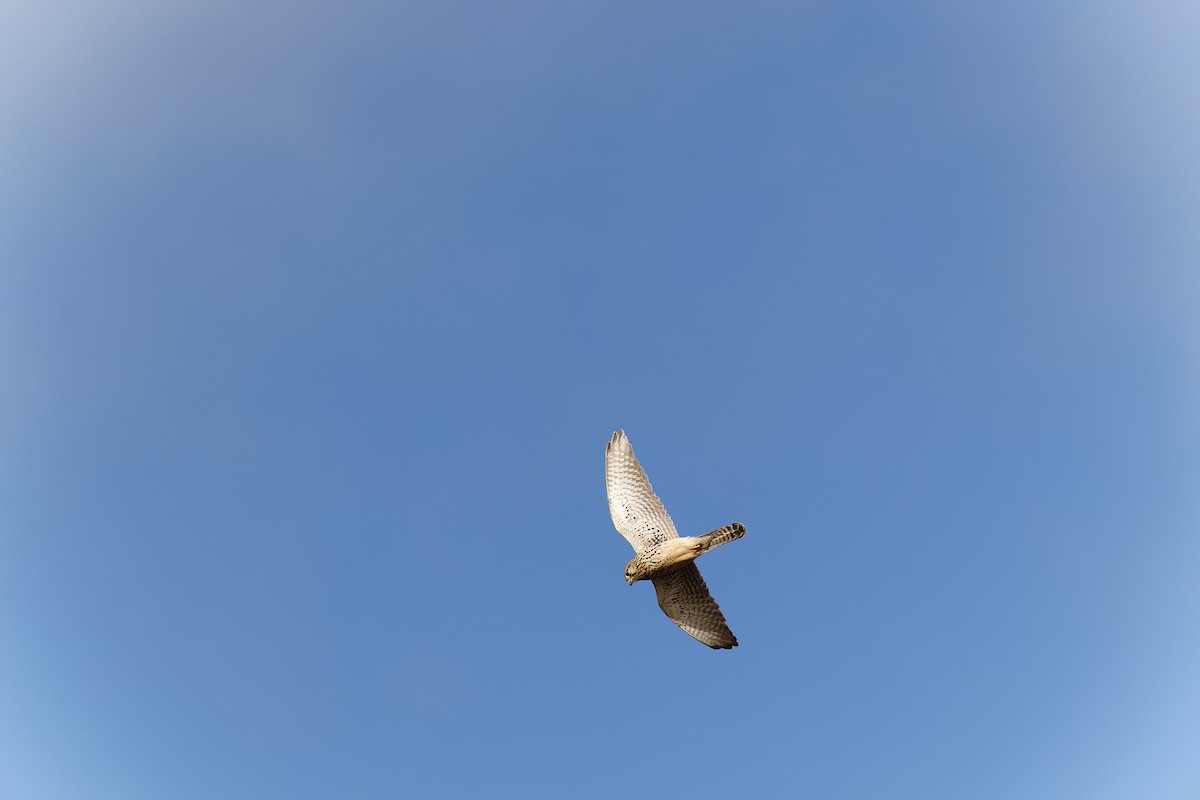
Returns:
<point x="722" y="535"/>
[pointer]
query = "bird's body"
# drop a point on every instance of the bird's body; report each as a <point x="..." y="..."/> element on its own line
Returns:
<point x="662" y="556"/>
<point x="670" y="554"/>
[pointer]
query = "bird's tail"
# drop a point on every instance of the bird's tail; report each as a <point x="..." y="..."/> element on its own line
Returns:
<point x="720" y="536"/>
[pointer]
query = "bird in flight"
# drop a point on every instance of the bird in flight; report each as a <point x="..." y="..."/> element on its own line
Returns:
<point x="662" y="556"/>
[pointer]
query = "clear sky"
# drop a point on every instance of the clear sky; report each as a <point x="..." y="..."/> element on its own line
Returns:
<point x="315" y="319"/>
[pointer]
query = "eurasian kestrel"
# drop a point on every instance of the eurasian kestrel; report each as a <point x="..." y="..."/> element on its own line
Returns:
<point x="662" y="556"/>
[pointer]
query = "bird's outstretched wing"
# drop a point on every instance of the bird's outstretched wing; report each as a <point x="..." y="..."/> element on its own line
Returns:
<point x="636" y="510"/>
<point x="683" y="596"/>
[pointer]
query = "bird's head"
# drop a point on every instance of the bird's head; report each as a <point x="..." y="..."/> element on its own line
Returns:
<point x="632" y="573"/>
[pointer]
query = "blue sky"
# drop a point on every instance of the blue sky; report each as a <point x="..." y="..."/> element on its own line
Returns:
<point x="315" y="319"/>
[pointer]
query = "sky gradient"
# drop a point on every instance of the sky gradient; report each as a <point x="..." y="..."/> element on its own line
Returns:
<point x="315" y="319"/>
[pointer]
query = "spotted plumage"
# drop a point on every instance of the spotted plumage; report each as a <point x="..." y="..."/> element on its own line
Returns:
<point x="661" y="555"/>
